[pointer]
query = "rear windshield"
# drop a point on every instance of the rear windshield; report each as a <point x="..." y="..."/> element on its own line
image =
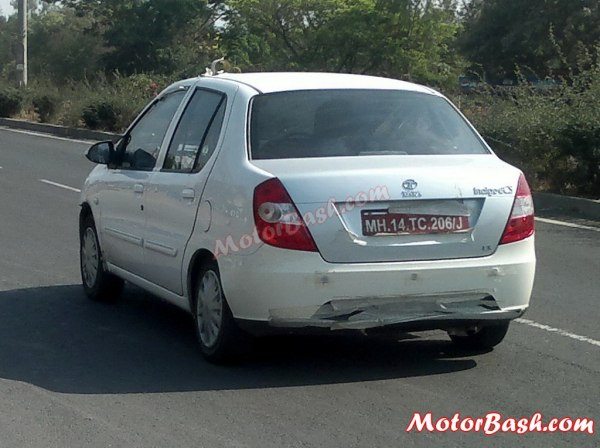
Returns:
<point x="342" y="123"/>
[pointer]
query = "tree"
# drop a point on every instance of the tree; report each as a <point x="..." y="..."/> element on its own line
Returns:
<point x="542" y="37"/>
<point x="139" y="34"/>
<point x="9" y="32"/>
<point x="32" y="5"/>
<point x="61" y="48"/>
<point x="411" y="39"/>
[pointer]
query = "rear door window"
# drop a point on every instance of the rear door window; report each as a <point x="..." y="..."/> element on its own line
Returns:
<point x="346" y="123"/>
<point x="197" y="133"/>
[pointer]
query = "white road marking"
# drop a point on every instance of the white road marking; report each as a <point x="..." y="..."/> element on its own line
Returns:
<point x="565" y="333"/>
<point x="39" y="134"/>
<point x="567" y="224"/>
<point x="56" y="184"/>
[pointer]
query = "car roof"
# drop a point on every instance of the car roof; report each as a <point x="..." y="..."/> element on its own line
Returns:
<point x="284" y="82"/>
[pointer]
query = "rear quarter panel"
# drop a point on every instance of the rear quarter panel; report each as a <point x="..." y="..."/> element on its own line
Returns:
<point x="228" y="196"/>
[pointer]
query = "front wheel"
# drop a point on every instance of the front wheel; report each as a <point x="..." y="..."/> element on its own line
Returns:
<point x="98" y="284"/>
<point x="485" y="337"/>
<point x="220" y="339"/>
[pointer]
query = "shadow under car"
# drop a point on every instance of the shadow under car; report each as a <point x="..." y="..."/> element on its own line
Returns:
<point x="55" y="338"/>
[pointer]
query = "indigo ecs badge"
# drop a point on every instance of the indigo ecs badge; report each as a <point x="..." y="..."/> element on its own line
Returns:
<point x="493" y="191"/>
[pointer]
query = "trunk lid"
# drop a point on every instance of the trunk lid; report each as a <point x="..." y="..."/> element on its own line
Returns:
<point x="339" y="196"/>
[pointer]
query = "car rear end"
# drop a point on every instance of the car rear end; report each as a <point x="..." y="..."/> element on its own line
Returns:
<point x="380" y="208"/>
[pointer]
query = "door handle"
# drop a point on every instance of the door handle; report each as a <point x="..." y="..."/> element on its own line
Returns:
<point x="188" y="193"/>
<point x="138" y="188"/>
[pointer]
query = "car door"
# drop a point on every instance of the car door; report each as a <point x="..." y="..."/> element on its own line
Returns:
<point x="175" y="192"/>
<point x="122" y="196"/>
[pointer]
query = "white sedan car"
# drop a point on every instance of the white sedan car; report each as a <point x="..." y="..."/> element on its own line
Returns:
<point x="296" y="201"/>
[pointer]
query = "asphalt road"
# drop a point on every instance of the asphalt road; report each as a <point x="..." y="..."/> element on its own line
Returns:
<point x="82" y="374"/>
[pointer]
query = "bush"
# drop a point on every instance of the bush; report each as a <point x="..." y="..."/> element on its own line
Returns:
<point x="102" y="115"/>
<point x="580" y="160"/>
<point x="553" y="136"/>
<point x="45" y="106"/>
<point x="10" y="102"/>
<point x="107" y="104"/>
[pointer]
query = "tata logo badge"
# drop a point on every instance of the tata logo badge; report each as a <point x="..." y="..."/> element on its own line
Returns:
<point x="410" y="186"/>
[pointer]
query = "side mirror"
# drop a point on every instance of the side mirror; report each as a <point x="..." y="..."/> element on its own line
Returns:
<point x="101" y="153"/>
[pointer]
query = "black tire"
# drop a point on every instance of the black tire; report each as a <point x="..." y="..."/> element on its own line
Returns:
<point x="103" y="286"/>
<point x="230" y="342"/>
<point x="487" y="337"/>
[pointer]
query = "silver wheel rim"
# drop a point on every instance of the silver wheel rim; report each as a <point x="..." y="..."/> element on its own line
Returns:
<point x="89" y="258"/>
<point x="209" y="308"/>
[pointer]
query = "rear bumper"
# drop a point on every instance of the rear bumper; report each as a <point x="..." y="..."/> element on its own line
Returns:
<point x="293" y="289"/>
<point x="442" y="311"/>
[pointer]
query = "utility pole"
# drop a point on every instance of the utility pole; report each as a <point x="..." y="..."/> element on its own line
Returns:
<point x="22" y="57"/>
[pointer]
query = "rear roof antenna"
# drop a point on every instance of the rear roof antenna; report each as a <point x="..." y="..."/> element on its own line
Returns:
<point x="212" y="70"/>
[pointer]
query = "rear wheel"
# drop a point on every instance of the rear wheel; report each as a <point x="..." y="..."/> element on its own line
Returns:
<point x="219" y="337"/>
<point x="98" y="284"/>
<point x="485" y="337"/>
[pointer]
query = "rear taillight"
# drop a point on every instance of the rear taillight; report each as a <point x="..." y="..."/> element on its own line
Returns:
<point x="277" y="219"/>
<point x="521" y="223"/>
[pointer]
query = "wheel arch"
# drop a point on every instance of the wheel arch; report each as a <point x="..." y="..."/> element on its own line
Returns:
<point x="84" y="213"/>
<point x="199" y="259"/>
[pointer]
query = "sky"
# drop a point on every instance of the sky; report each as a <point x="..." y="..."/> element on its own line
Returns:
<point x="5" y="6"/>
